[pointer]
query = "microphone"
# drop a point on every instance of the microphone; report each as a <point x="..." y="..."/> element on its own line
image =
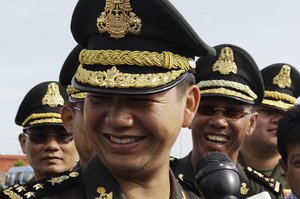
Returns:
<point x="217" y="177"/>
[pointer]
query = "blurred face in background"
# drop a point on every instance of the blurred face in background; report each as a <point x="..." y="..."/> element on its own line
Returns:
<point x="49" y="150"/>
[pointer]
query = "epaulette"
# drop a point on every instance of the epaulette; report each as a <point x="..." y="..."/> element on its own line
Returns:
<point x="269" y="183"/>
<point x="42" y="187"/>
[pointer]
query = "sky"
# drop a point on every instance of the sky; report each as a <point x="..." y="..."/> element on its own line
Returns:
<point x="35" y="39"/>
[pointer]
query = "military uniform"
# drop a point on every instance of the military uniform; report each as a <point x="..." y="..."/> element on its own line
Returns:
<point x="252" y="182"/>
<point x="85" y="183"/>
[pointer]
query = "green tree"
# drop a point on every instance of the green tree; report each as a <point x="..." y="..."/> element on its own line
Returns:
<point x="19" y="163"/>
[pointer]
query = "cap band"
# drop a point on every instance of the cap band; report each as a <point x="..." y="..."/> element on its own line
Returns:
<point x="274" y="98"/>
<point x="165" y="59"/>
<point x="39" y="118"/>
<point x="210" y="87"/>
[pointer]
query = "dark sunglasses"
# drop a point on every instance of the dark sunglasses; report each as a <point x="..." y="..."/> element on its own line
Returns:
<point x="232" y="113"/>
<point x="42" y="138"/>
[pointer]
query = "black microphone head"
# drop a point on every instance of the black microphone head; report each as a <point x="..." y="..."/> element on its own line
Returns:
<point x="217" y="177"/>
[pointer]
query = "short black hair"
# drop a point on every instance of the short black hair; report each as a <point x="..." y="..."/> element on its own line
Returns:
<point x="288" y="131"/>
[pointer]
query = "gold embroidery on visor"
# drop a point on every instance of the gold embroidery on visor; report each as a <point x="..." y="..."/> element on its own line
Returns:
<point x="113" y="78"/>
<point x="165" y="59"/>
<point x="38" y="116"/>
<point x="229" y="84"/>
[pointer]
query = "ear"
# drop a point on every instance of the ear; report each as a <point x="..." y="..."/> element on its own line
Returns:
<point x="22" y="141"/>
<point x="253" y="122"/>
<point x="67" y="118"/>
<point x="191" y="106"/>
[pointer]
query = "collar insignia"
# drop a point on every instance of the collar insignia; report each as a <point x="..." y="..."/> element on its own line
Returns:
<point x="117" y="19"/>
<point x="103" y="194"/>
<point x="283" y="79"/>
<point x="225" y="63"/>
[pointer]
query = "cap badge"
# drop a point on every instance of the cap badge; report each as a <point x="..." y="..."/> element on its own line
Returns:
<point x="283" y="79"/>
<point x="52" y="96"/>
<point x="117" y="19"/>
<point x="225" y="63"/>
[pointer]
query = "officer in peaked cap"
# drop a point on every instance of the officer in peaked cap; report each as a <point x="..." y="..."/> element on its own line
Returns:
<point x="282" y="87"/>
<point x="134" y="70"/>
<point x="48" y="147"/>
<point x="231" y="85"/>
<point x="72" y="112"/>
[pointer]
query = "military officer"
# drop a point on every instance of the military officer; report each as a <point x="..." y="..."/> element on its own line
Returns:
<point x="282" y="87"/>
<point x="135" y="68"/>
<point x="47" y="145"/>
<point x="72" y="112"/>
<point x="231" y="85"/>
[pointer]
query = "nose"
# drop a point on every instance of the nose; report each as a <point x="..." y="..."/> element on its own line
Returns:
<point x="218" y="120"/>
<point x="119" y="116"/>
<point x="52" y="144"/>
<point x="276" y="118"/>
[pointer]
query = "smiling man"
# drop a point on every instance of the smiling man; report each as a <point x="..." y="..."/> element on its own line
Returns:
<point x="136" y="70"/>
<point x="282" y="88"/>
<point x="49" y="148"/>
<point x="231" y="85"/>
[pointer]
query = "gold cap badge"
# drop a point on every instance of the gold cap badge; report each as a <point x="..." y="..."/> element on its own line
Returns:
<point x="225" y="63"/>
<point x="53" y="97"/>
<point x="283" y="79"/>
<point x="117" y="19"/>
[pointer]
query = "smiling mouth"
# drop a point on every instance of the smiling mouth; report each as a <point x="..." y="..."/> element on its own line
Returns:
<point x="125" y="140"/>
<point x="216" y="138"/>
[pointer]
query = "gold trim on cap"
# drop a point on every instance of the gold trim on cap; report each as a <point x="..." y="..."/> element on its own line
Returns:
<point x="283" y="79"/>
<point x="280" y="100"/>
<point x="113" y="78"/>
<point x="165" y="59"/>
<point x="75" y="93"/>
<point x="229" y="84"/>
<point x="117" y="19"/>
<point x="225" y="63"/>
<point x="43" y="117"/>
<point x="53" y="97"/>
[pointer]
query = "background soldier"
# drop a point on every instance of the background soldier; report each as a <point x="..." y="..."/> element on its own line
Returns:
<point x="72" y="112"/>
<point x="282" y="87"/>
<point x="47" y="145"/>
<point x="231" y="85"/>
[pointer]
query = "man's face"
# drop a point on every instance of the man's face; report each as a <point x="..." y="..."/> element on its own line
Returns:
<point x="134" y="134"/>
<point x="49" y="150"/>
<point x="82" y="142"/>
<point x="221" y="124"/>
<point x="292" y="168"/>
<point x="264" y="134"/>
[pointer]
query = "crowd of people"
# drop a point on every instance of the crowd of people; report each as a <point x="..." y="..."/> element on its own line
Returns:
<point x="106" y="128"/>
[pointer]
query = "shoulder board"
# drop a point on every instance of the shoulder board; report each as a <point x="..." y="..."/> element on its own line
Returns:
<point x="269" y="183"/>
<point x="42" y="187"/>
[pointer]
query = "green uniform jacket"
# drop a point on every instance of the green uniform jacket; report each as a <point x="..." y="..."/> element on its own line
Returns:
<point x="93" y="181"/>
<point x="252" y="182"/>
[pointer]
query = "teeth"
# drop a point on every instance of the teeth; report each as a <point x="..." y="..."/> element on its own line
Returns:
<point x="122" y="141"/>
<point x="217" y="138"/>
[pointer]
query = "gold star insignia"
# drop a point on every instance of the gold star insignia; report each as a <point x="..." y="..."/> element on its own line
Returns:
<point x="38" y="186"/>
